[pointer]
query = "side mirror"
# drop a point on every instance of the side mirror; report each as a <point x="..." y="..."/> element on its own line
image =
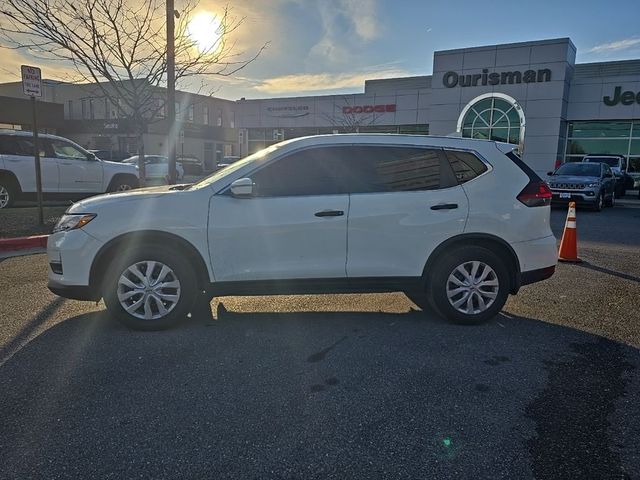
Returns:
<point x="550" y="173"/>
<point x="242" y="188"/>
<point x="92" y="157"/>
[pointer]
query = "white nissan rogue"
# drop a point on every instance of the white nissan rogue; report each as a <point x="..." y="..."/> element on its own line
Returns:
<point x="456" y="224"/>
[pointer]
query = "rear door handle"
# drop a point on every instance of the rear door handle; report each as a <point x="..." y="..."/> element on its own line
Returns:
<point x="329" y="213"/>
<point x="445" y="206"/>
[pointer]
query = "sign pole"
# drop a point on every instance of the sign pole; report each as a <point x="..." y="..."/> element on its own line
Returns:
<point x="36" y="154"/>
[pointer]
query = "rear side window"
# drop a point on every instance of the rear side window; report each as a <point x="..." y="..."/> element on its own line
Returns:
<point x="370" y="169"/>
<point x="465" y="165"/>
<point x="10" y="145"/>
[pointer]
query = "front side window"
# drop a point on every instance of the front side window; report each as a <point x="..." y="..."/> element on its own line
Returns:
<point x="308" y="172"/>
<point x="66" y="150"/>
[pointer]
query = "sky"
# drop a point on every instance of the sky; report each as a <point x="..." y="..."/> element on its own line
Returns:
<point x="318" y="47"/>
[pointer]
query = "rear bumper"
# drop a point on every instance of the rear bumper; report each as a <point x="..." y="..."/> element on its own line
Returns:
<point x="538" y="275"/>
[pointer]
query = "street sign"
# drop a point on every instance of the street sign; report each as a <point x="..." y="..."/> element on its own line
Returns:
<point x="31" y="81"/>
<point x="181" y="136"/>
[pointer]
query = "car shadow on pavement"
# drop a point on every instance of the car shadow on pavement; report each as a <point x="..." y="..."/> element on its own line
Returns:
<point x="615" y="273"/>
<point x="37" y="321"/>
<point x="267" y="394"/>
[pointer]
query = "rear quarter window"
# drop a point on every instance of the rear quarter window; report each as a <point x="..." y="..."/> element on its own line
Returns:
<point x="465" y="165"/>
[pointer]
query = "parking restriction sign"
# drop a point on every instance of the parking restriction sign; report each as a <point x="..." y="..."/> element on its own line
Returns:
<point x="31" y="81"/>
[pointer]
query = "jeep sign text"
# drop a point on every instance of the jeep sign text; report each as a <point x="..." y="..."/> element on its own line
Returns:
<point x="625" y="98"/>
<point x="452" y="79"/>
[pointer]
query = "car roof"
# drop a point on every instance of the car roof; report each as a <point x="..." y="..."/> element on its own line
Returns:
<point x="398" y="139"/>
<point x="28" y="133"/>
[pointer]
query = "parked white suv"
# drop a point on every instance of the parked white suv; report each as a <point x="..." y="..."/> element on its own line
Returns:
<point x="457" y="224"/>
<point x="68" y="170"/>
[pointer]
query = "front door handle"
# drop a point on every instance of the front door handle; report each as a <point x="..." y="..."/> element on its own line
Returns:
<point x="329" y="213"/>
<point x="445" y="206"/>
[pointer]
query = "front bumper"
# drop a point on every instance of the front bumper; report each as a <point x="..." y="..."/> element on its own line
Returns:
<point x="74" y="292"/>
<point x="578" y="196"/>
<point x="70" y="256"/>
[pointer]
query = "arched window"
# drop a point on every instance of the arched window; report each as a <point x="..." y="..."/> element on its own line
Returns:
<point x="493" y="117"/>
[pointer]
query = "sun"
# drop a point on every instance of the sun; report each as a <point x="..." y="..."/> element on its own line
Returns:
<point x="205" y="31"/>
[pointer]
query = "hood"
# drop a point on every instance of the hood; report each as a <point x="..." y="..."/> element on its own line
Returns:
<point x="571" y="179"/>
<point x="120" y="166"/>
<point x="92" y="204"/>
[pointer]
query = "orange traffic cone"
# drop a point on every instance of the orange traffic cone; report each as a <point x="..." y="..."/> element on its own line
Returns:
<point x="569" y="243"/>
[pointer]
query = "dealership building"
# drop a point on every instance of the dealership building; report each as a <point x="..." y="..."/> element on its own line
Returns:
<point x="532" y="94"/>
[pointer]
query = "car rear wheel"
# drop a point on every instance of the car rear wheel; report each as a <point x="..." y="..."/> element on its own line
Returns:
<point x="150" y="288"/>
<point x="469" y="285"/>
<point x="8" y="193"/>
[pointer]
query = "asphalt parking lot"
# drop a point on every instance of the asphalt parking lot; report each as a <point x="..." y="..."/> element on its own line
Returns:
<point x="341" y="386"/>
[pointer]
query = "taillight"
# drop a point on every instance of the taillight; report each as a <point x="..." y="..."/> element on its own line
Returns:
<point x="535" y="194"/>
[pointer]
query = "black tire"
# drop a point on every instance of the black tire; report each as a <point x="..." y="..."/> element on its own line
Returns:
<point x="181" y="270"/>
<point x="599" y="203"/>
<point x="611" y="201"/>
<point x="8" y="192"/>
<point x="122" y="183"/>
<point x="445" y="266"/>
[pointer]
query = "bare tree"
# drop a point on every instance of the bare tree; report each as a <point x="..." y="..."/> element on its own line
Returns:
<point x="120" y="46"/>
<point x="350" y="121"/>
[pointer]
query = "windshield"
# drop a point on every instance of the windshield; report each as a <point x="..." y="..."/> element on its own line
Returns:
<point x="131" y="159"/>
<point x="612" y="162"/>
<point x="235" y="166"/>
<point x="579" y="169"/>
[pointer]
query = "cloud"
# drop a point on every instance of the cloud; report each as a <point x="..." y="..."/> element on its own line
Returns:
<point x="616" y="46"/>
<point x="318" y="82"/>
<point x="345" y="23"/>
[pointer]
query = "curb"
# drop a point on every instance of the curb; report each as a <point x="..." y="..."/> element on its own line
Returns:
<point x="20" y="243"/>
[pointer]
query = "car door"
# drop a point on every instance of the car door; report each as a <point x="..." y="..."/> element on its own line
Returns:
<point x="293" y="227"/>
<point x="79" y="172"/>
<point x="18" y="153"/>
<point x="405" y="201"/>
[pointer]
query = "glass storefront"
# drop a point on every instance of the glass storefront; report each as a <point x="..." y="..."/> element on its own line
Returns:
<point x="617" y="137"/>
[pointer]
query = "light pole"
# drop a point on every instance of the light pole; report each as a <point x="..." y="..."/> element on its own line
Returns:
<point x="171" y="91"/>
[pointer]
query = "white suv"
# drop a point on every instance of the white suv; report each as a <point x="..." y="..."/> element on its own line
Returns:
<point x="68" y="170"/>
<point x="457" y="224"/>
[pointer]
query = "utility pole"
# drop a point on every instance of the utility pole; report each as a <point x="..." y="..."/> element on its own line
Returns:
<point x="171" y="91"/>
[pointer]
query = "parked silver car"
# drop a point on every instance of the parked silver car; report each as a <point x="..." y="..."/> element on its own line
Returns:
<point x="591" y="184"/>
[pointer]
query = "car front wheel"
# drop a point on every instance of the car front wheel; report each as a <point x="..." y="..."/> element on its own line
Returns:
<point x="469" y="285"/>
<point x="599" y="203"/>
<point x="149" y="289"/>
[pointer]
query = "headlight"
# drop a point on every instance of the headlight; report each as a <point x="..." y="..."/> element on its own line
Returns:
<point x="596" y="184"/>
<point x="73" y="221"/>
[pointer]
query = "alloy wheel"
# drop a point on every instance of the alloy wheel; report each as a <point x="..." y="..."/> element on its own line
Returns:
<point x="148" y="290"/>
<point x="4" y="196"/>
<point x="472" y="287"/>
<point x="123" y="187"/>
